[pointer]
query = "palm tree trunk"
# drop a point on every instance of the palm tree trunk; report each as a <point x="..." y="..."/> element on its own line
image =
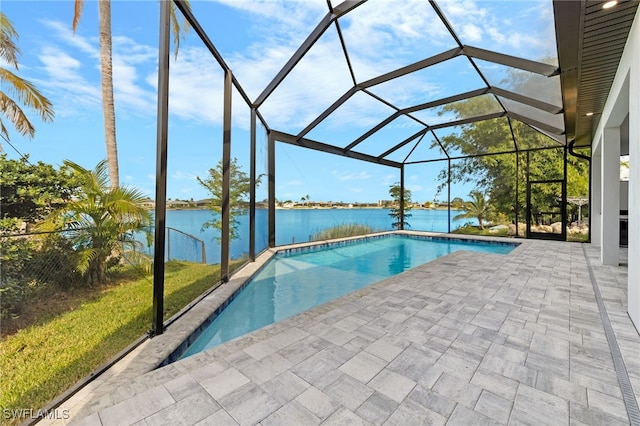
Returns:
<point x="107" y="91"/>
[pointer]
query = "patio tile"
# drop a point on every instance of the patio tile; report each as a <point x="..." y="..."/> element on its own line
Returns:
<point x="460" y="366"/>
<point x="592" y="416"/>
<point x="565" y="389"/>
<point x="334" y="355"/>
<point x="189" y="410"/>
<point x="316" y="372"/>
<point x="432" y="400"/>
<point x="386" y="348"/>
<point x="550" y="346"/>
<point x="249" y="404"/>
<point x="363" y="366"/>
<point x="463" y="416"/>
<point x="357" y="344"/>
<point x="507" y="353"/>
<point x="458" y="390"/>
<point x="317" y="402"/>
<point x="285" y="387"/>
<point x="344" y="416"/>
<point x="410" y="413"/>
<point x="208" y="370"/>
<point x="349" y="392"/>
<point x="265" y="369"/>
<point x="303" y="349"/>
<point x="377" y="408"/>
<point x="417" y="364"/>
<point x="609" y="405"/>
<point x="559" y="367"/>
<point x="224" y="382"/>
<point x="293" y="413"/>
<point x="494" y="407"/>
<point x="350" y="324"/>
<point x="137" y="408"/>
<point x="535" y="407"/>
<point x="510" y="370"/>
<point x="393" y="385"/>
<point x="219" y="418"/>
<point x="426" y="347"/>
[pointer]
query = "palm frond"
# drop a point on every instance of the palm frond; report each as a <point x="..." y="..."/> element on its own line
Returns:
<point x="9" y="50"/>
<point x="10" y="109"/>
<point x="27" y="93"/>
<point x="177" y="28"/>
<point x="77" y="14"/>
<point x="86" y="256"/>
<point x="3" y="131"/>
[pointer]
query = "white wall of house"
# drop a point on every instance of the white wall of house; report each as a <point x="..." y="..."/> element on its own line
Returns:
<point x="623" y="101"/>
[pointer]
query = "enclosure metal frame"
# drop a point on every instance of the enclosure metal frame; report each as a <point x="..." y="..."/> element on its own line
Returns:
<point x="560" y="135"/>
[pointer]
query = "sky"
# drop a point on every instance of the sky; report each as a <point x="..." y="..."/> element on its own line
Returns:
<point x="256" y="38"/>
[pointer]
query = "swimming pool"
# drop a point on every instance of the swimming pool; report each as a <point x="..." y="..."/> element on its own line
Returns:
<point x="299" y="279"/>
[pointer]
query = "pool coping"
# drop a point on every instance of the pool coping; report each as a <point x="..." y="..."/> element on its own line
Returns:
<point x="184" y="327"/>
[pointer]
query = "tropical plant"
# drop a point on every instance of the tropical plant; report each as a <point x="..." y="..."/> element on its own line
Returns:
<point x="457" y="203"/>
<point x="16" y="90"/>
<point x="400" y="220"/>
<point x="478" y="207"/>
<point x="101" y="221"/>
<point x="106" y="71"/>
<point x="239" y="188"/>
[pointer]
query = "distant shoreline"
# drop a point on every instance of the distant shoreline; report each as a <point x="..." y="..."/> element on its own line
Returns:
<point x="314" y="208"/>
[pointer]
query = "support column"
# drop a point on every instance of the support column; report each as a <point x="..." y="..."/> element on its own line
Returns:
<point x="449" y="195"/>
<point x="633" y="281"/>
<point x="161" y="171"/>
<point x="226" y="165"/>
<point x="271" y="154"/>
<point x="402" y="197"/>
<point x="252" y="189"/>
<point x="595" y="213"/>
<point x="610" y="163"/>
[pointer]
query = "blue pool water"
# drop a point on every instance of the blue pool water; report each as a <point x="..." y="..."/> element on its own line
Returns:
<point x="294" y="282"/>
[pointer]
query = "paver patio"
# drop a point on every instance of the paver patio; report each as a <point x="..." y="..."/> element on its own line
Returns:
<point x="470" y="338"/>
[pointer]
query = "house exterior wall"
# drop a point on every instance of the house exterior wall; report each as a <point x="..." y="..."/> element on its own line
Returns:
<point x="623" y="99"/>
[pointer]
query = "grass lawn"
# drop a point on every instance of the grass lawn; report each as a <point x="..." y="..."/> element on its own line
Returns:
<point x="71" y="335"/>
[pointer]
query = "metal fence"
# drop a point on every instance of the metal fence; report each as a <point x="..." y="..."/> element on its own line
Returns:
<point x="32" y="263"/>
<point x="183" y="246"/>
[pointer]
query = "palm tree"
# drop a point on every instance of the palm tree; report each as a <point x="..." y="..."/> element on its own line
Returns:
<point x="101" y="221"/>
<point x="23" y="91"/>
<point x="478" y="208"/>
<point x="106" y="71"/>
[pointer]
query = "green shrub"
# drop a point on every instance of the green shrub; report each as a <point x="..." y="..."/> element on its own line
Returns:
<point x="342" y="231"/>
<point x="15" y="254"/>
<point x="56" y="263"/>
<point x="32" y="266"/>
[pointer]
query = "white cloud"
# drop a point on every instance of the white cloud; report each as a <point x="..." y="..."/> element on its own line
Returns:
<point x="380" y="36"/>
<point x="471" y="32"/>
<point x="75" y="82"/>
<point x="178" y="174"/>
<point x="496" y="35"/>
<point x="346" y="176"/>
<point x="67" y="84"/>
<point x="390" y="179"/>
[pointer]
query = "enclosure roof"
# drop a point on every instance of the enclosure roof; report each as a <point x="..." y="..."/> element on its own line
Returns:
<point x="398" y="77"/>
